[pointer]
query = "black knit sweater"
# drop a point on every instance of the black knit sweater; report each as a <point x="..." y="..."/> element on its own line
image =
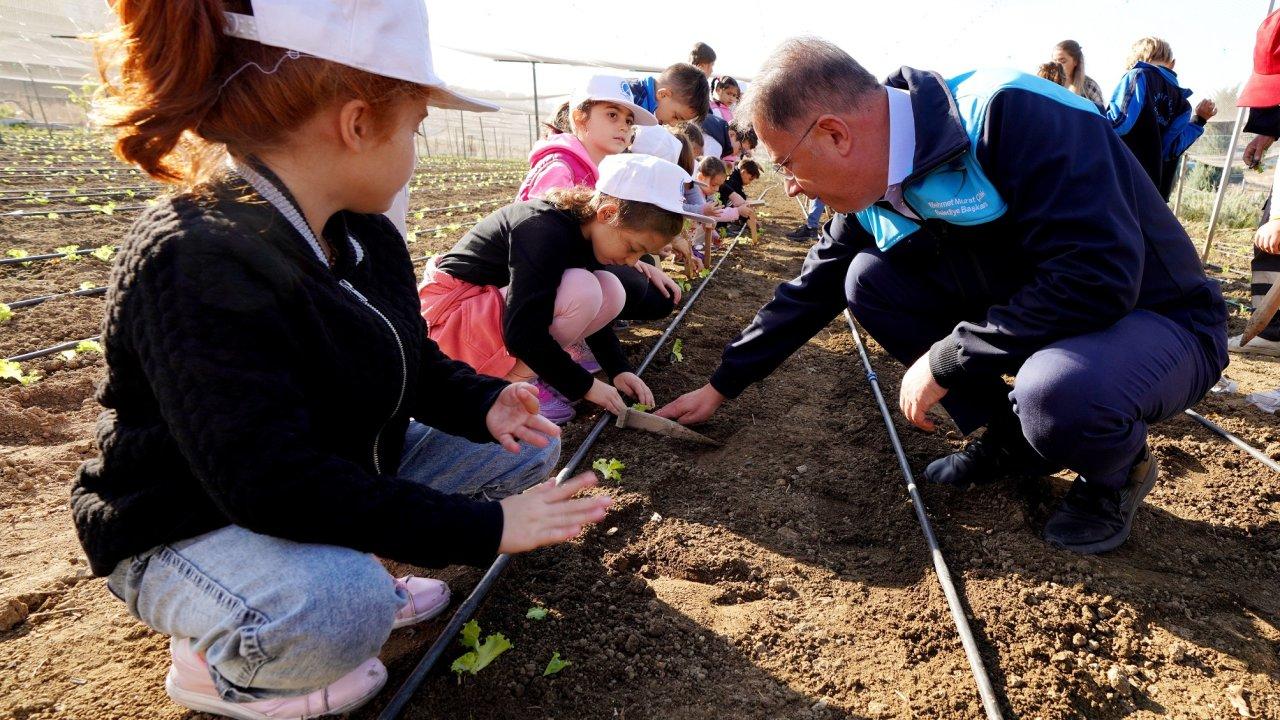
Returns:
<point x="245" y="385"/>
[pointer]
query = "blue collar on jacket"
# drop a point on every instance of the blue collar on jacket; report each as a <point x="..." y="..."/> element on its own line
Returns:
<point x="940" y="133"/>
<point x="1170" y="76"/>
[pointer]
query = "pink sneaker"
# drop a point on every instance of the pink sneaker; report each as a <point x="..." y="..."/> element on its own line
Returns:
<point x="552" y="405"/>
<point x="427" y="599"/>
<point x="190" y="685"/>
<point x="582" y="355"/>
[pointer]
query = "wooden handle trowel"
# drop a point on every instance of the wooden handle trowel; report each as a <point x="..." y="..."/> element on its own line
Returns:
<point x="636" y="420"/>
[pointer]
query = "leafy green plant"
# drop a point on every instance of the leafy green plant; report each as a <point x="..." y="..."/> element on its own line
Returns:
<point x="19" y="253"/>
<point x="10" y="370"/>
<point x="536" y="613"/>
<point x="677" y="350"/>
<point x="685" y="285"/>
<point x="482" y="653"/>
<point x="5" y="314"/>
<point x="104" y="253"/>
<point x="107" y="208"/>
<point x="641" y="407"/>
<point x="610" y="469"/>
<point x="556" y="664"/>
<point x="68" y="252"/>
<point x="87" y="285"/>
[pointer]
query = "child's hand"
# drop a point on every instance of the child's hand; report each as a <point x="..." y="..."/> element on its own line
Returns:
<point x="546" y="515"/>
<point x="660" y="280"/>
<point x="710" y="208"/>
<point x="514" y="417"/>
<point x="1267" y="239"/>
<point x="1206" y="109"/>
<point x="684" y="250"/>
<point x="606" y="396"/>
<point x="633" y="386"/>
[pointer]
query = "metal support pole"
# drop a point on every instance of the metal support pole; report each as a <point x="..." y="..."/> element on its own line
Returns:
<point x="484" y="145"/>
<point x="536" y="111"/>
<point x="35" y="90"/>
<point x="462" y="119"/>
<point x="1222" y="183"/>
<point x="1182" y="178"/>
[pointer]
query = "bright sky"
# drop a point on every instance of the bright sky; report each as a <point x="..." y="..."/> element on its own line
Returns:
<point x="1212" y="41"/>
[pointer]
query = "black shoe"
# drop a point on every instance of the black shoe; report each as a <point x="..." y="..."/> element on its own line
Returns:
<point x="1095" y="519"/>
<point x="802" y="234"/>
<point x="999" y="453"/>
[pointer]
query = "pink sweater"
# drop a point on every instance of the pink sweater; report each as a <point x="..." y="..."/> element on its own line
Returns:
<point x="560" y="161"/>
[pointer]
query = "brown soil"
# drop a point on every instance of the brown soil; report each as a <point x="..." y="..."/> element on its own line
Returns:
<point x="782" y="575"/>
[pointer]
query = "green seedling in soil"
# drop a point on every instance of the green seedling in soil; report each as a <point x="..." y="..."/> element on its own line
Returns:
<point x="482" y="653"/>
<point x="68" y="252"/>
<point x="104" y="253"/>
<point x="556" y="664"/>
<point x="685" y="285"/>
<point x="83" y="347"/>
<point x="10" y="370"/>
<point x="108" y="208"/>
<point x="87" y="285"/>
<point x="677" y="350"/>
<point x="536" y="613"/>
<point x="6" y="314"/>
<point x="641" y="407"/>
<point x="18" y="253"/>
<point x="52" y="216"/>
<point x="704" y="274"/>
<point x="610" y="469"/>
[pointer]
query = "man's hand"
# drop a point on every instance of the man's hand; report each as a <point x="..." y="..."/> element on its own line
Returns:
<point x="693" y="407"/>
<point x="514" y="417"/>
<point x="919" y="393"/>
<point x="1267" y="238"/>
<point x="1256" y="148"/>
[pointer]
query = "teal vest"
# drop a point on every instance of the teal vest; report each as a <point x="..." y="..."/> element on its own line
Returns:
<point x="958" y="192"/>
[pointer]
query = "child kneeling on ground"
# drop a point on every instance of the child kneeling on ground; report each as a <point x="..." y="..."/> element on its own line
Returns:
<point x="529" y="281"/>
<point x="276" y="413"/>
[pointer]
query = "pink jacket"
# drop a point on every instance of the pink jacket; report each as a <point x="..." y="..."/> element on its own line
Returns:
<point x="722" y="111"/>
<point x="560" y="161"/>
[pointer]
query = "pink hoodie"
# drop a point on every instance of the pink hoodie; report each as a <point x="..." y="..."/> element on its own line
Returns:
<point x="560" y="161"/>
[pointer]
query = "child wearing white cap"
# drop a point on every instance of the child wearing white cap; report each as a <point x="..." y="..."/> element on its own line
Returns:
<point x="265" y="356"/>
<point x="530" y="280"/>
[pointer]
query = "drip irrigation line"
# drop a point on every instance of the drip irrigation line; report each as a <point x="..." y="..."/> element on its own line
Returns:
<point x="985" y="690"/>
<point x="29" y="302"/>
<point x="469" y="606"/>
<point x="1253" y="452"/>
<point x="69" y="345"/>
<point x="45" y="257"/>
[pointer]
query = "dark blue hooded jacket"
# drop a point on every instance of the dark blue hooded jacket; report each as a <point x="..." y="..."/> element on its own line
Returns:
<point x="1082" y="240"/>
<point x="1150" y="111"/>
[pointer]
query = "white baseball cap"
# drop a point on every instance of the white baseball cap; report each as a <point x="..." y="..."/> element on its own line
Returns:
<point x="657" y="141"/>
<point x="647" y="179"/>
<point x="384" y="37"/>
<point x="611" y="88"/>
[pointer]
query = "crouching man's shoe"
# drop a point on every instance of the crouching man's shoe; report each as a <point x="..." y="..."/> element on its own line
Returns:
<point x="1096" y="519"/>
<point x="1001" y="452"/>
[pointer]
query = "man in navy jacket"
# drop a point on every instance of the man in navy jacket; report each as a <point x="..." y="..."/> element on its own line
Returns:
<point x="988" y="225"/>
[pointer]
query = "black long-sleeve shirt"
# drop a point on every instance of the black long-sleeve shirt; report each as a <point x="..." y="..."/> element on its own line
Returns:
<point x="246" y="385"/>
<point x="526" y="247"/>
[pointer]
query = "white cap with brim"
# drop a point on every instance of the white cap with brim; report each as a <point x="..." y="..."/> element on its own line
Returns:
<point x="647" y="179"/>
<point x="657" y="141"/>
<point x="383" y="37"/>
<point x="611" y="89"/>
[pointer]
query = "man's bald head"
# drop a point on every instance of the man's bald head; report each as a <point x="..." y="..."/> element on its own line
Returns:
<point x="805" y="77"/>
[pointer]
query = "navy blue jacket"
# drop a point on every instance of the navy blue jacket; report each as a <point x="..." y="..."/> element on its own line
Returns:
<point x="1085" y="240"/>
<point x="1150" y="111"/>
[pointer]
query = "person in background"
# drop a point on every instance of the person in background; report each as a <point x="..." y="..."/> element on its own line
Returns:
<point x="703" y="58"/>
<point x="733" y="194"/>
<point x="679" y="94"/>
<point x="725" y="94"/>
<point x="1052" y="72"/>
<point x="1070" y="56"/>
<point x="276" y="414"/>
<point x="809" y="230"/>
<point x="1262" y="95"/>
<point x="529" y="281"/>
<point x="666" y="143"/>
<point x="1150" y="112"/>
<point x="747" y="139"/>
<point x="715" y="137"/>
<point x="710" y="176"/>
<point x="600" y="124"/>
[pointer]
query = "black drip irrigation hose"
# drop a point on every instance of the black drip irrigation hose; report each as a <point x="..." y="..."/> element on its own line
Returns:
<point x="985" y="690"/>
<point x="469" y="606"/>
<point x="1217" y="429"/>
<point x="69" y="345"/>
<point x="29" y="302"/>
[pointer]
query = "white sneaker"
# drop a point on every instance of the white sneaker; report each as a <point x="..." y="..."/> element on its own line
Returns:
<point x="1256" y="346"/>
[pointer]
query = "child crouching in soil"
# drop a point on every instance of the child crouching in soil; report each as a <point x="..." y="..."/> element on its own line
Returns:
<point x="276" y="414"/>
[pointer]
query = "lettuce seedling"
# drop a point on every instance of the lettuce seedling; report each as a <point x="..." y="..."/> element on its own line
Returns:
<point x="68" y="252"/>
<point x="10" y="370"/>
<point x="677" y="350"/>
<point x="482" y="653"/>
<point x="104" y="253"/>
<point x="5" y="314"/>
<point x="18" y="253"/>
<point x="610" y="469"/>
<point x="87" y="285"/>
<point x="556" y="664"/>
<point x="641" y="407"/>
<point x="536" y="613"/>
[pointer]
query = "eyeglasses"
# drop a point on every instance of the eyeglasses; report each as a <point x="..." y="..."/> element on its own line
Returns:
<point x="782" y="164"/>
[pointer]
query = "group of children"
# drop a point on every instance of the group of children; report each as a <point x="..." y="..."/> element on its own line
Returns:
<point x="522" y="297"/>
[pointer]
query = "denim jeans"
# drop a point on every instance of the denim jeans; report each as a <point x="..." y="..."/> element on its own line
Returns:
<point x="277" y="618"/>
<point x="815" y="214"/>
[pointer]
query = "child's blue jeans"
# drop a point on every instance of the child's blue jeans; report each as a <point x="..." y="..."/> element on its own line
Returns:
<point x="278" y="618"/>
